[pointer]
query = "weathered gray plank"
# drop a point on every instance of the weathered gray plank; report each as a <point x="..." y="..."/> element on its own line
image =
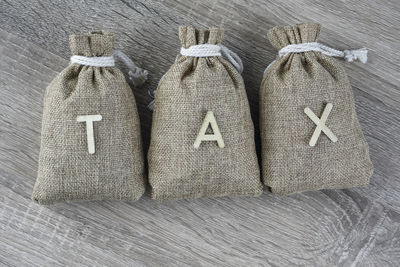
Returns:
<point x="346" y="227"/>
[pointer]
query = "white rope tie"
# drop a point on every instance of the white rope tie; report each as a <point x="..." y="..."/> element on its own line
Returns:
<point x="136" y="74"/>
<point x="210" y="50"/>
<point x="348" y="55"/>
<point x="204" y="50"/>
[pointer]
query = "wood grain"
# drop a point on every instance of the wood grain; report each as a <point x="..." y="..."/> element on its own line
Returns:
<point x="355" y="227"/>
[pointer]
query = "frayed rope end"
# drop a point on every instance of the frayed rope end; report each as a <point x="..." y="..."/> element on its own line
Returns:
<point x="150" y="106"/>
<point x="138" y="76"/>
<point x="359" y="54"/>
<point x="152" y="94"/>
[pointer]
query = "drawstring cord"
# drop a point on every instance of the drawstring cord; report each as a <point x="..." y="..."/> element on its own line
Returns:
<point x="205" y="50"/>
<point x="348" y="55"/>
<point x="136" y="74"/>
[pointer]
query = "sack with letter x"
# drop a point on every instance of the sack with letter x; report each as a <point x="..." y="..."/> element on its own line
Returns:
<point x="91" y="147"/>
<point x="202" y="139"/>
<point x="310" y="134"/>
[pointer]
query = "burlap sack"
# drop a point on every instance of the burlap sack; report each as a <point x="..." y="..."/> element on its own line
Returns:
<point x="309" y="80"/>
<point x="190" y="89"/>
<point x="67" y="171"/>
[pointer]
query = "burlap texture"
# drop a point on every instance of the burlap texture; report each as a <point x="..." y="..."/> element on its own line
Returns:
<point x="300" y="80"/>
<point x="67" y="172"/>
<point x="190" y="88"/>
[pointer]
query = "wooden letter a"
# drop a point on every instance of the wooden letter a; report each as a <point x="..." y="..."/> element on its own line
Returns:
<point x="202" y="136"/>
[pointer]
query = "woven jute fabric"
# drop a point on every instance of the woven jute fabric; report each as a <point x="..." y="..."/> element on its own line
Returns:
<point x="67" y="172"/>
<point x="292" y="83"/>
<point x="191" y="88"/>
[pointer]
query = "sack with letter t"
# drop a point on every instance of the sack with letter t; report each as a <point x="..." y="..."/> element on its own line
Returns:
<point x="91" y="148"/>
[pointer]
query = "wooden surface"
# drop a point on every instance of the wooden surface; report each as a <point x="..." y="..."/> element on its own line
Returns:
<point x="355" y="227"/>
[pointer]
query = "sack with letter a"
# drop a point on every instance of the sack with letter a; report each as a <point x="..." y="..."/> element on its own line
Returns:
<point x="202" y="139"/>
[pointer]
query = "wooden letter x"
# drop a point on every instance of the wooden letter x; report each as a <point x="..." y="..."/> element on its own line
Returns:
<point x="321" y="127"/>
<point x="202" y="136"/>
<point x="89" y="119"/>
